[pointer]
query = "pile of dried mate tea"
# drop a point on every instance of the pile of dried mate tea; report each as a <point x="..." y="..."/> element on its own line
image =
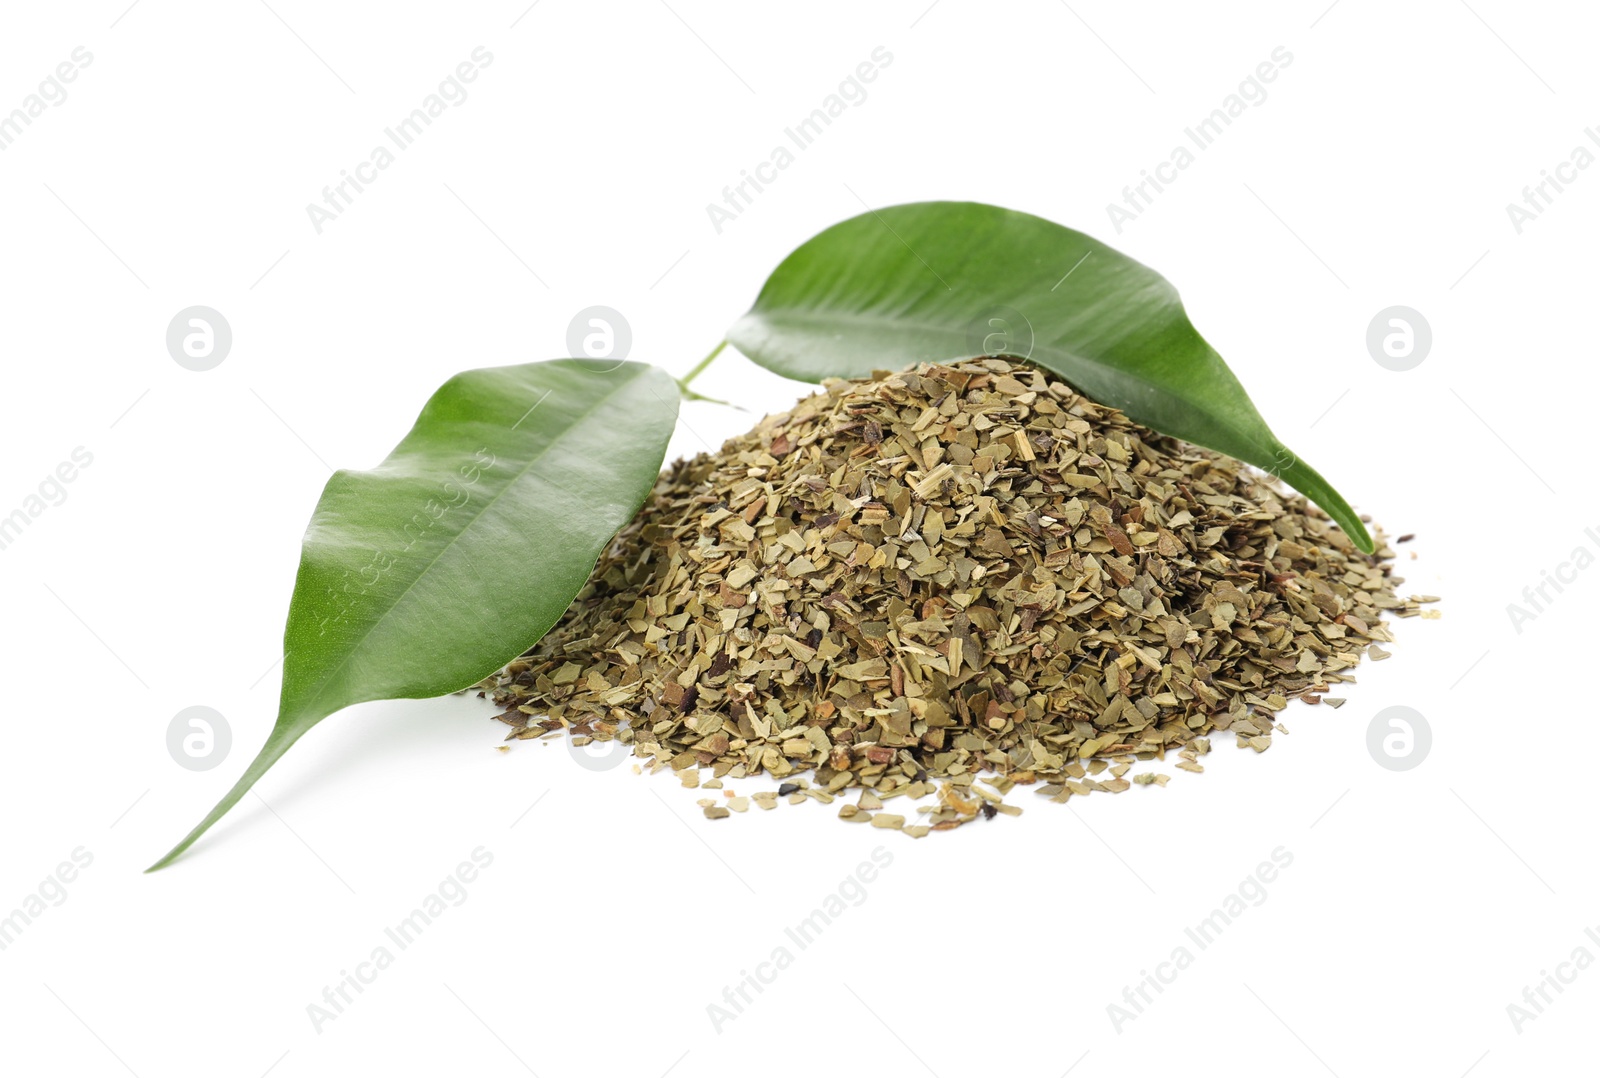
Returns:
<point x="943" y="583"/>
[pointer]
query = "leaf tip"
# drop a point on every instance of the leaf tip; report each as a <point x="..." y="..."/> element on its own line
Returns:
<point x="174" y="853"/>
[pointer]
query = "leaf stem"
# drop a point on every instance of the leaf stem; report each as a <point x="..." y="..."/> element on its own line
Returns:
<point x="683" y="383"/>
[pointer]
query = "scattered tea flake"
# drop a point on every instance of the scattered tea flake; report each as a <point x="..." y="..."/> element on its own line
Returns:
<point x="888" y="820"/>
<point x="715" y="812"/>
<point x="1334" y="701"/>
<point x="1377" y="654"/>
<point x="951" y="797"/>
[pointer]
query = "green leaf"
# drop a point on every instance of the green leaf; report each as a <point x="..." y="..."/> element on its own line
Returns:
<point x="456" y="554"/>
<point x="937" y="281"/>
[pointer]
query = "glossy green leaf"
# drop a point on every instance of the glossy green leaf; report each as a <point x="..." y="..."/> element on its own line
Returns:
<point x="936" y="281"/>
<point x="451" y="558"/>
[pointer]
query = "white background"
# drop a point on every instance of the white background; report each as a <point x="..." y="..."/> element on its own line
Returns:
<point x="1377" y="172"/>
